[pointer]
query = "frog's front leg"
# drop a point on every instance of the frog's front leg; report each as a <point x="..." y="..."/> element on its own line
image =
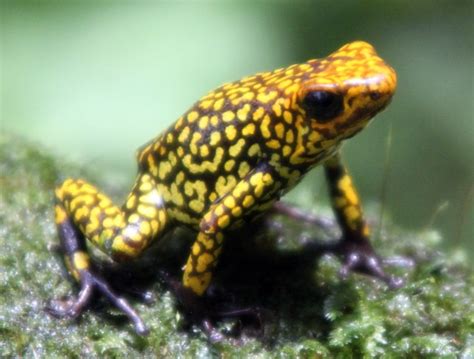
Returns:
<point x="355" y="244"/>
<point x="243" y="199"/>
<point x="122" y="233"/>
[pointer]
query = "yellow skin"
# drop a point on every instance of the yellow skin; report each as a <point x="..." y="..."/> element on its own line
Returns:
<point x="230" y="158"/>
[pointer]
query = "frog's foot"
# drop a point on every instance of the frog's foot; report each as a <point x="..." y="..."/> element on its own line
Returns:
<point x="359" y="256"/>
<point x="205" y="311"/>
<point x="90" y="282"/>
<point x="133" y="291"/>
<point x="234" y="336"/>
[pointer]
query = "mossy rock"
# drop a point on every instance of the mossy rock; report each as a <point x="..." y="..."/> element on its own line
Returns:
<point x="308" y="311"/>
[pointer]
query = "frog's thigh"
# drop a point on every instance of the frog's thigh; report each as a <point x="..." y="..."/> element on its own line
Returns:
<point x="205" y="251"/>
<point x="84" y="212"/>
<point x="345" y="199"/>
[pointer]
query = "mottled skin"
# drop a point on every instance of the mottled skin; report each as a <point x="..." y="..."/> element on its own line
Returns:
<point x="228" y="160"/>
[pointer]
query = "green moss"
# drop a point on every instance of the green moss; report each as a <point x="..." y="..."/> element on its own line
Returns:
<point x="308" y="311"/>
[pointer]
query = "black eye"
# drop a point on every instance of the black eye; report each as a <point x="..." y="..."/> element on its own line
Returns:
<point x="323" y="105"/>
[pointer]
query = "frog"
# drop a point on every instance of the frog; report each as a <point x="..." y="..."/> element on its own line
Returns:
<point x="225" y="163"/>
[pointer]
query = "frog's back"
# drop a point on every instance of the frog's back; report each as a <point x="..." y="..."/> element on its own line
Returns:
<point x="219" y="141"/>
<point x="200" y="158"/>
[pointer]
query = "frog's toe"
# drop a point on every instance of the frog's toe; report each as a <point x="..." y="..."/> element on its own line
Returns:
<point x="103" y="287"/>
<point x="71" y="307"/>
<point x="145" y="296"/>
<point x="370" y="266"/>
<point x="249" y="321"/>
<point x="360" y="257"/>
<point x="214" y="335"/>
<point x="89" y="282"/>
<point x="206" y="310"/>
<point x="61" y="308"/>
<point x="399" y="261"/>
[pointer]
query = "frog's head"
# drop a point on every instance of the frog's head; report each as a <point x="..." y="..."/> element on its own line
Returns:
<point x="344" y="91"/>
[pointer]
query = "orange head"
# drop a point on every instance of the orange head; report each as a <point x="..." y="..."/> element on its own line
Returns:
<point x="345" y="90"/>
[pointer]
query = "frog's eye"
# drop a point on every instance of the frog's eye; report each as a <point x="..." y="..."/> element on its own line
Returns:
<point x="323" y="105"/>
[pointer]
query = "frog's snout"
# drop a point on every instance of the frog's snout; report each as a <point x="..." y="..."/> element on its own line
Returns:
<point x="376" y="88"/>
<point x="382" y="88"/>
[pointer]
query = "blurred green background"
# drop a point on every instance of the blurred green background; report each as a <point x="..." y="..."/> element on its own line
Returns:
<point x="95" y="80"/>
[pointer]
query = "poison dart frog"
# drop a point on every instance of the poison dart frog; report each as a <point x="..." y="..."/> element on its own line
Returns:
<point x="225" y="162"/>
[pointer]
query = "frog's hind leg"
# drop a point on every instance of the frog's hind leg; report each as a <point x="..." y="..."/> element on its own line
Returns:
<point x="82" y="212"/>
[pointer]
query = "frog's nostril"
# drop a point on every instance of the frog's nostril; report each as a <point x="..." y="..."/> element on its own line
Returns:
<point x="375" y="95"/>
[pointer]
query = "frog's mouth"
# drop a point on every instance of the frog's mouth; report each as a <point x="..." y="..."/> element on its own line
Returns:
<point x="315" y="157"/>
<point x="361" y="117"/>
<point x="353" y="133"/>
